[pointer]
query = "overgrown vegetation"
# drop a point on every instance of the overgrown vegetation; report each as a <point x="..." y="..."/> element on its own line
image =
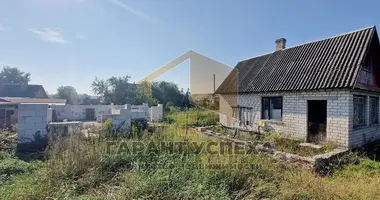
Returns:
<point x="275" y="140"/>
<point x="191" y="117"/>
<point x="79" y="167"/>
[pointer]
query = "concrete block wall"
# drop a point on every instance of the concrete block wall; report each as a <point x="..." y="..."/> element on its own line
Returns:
<point x="294" y="113"/>
<point x="50" y="115"/>
<point x="156" y="113"/>
<point x="122" y="120"/>
<point x="32" y="120"/>
<point x="139" y="111"/>
<point x="78" y="112"/>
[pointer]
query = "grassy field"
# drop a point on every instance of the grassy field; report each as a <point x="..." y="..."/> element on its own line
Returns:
<point x="82" y="168"/>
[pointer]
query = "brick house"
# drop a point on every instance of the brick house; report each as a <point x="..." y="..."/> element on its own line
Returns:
<point x="326" y="90"/>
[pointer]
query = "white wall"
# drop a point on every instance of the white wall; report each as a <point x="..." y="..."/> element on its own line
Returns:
<point x="32" y="119"/>
<point x="78" y="112"/>
<point x="139" y="111"/>
<point x="294" y="113"/>
<point x="156" y="113"/>
<point x="122" y="121"/>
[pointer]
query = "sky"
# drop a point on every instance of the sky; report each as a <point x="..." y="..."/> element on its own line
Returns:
<point x="70" y="42"/>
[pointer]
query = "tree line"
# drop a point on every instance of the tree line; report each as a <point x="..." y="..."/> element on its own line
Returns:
<point x="116" y="90"/>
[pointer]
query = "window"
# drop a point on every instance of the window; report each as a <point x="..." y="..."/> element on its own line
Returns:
<point x="359" y="111"/>
<point x="247" y="116"/>
<point x="271" y="108"/>
<point x="374" y="110"/>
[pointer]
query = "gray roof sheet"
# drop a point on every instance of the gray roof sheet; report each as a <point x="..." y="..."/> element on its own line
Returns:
<point x="17" y="90"/>
<point x="328" y="63"/>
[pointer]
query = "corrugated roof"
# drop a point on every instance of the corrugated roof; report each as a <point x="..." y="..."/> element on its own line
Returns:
<point x="328" y="63"/>
<point x="32" y="100"/>
<point x="17" y="90"/>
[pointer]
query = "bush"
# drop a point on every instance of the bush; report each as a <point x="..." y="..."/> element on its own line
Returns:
<point x="14" y="128"/>
<point x="192" y="117"/>
<point x="107" y="126"/>
<point x="8" y="142"/>
<point x="11" y="166"/>
<point x="138" y="127"/>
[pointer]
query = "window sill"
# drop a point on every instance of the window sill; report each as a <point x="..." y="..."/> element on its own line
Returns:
<point x="272" y="121"/>
<point x="365" y="126"/>
<point x="359" y="127"/>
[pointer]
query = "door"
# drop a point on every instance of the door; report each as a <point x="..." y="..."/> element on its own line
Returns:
<point x="316" y="120"/>
<point x="90" y="114"/>
<point x="8" y="116"/>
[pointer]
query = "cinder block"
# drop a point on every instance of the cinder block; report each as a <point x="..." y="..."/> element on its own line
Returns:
<point x="41" y="131"/>
<point x="20" y="132"/>
<point x="40" y="125"/>
<point x="26" y="126"/>
<point x="42" y="113"/>
<point x="21" y="120"/>
<point x="33" y="120"/>
<point x="26" y="113"/>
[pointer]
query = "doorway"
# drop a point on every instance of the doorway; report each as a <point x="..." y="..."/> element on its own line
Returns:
<point x="316" y="120"/>
<point x="90" y="114"/>
<point x="8" y="118"/>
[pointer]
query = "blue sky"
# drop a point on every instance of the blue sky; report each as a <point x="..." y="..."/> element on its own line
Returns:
<point x="69" y="42"/>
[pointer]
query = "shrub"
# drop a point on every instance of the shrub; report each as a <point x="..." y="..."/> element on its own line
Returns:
<point x="107" y="126"/>
<point x="192" y="117"/>
<point x="11" y="166"/>
<point x="14" y="128"/>
<point x="8" y="141"/>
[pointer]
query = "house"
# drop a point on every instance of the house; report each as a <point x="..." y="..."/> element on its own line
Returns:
<point x="11" y="95"/>
<point x="22" y="91"/>
<point x="326" y="90"/>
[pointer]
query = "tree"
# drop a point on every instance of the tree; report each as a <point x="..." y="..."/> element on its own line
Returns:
<point x="186" y="99"/>
<point x="117" y="90"/>
<point x="166" y="92"/>
<point x="69" y="93"/>
<point x="12" y="75"/>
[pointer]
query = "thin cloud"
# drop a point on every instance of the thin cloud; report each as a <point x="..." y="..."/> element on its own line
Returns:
<point x="133" y="10"/>
<point x="79" y="36"/>
<point x="2" y="28"/>
<point x="49" y="35"/>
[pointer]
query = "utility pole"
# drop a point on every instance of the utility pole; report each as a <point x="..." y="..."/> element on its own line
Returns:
<point x="214" y="82"/>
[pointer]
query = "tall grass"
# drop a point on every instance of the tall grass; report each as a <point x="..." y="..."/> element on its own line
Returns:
<point x="82" y="168"/>
<point x="192" y="117"/>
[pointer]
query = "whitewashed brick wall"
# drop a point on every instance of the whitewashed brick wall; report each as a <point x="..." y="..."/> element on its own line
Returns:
<point x="294" y="113"/>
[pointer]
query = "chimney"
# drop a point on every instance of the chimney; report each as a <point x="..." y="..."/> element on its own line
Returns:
<point x="280" y="44"/>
